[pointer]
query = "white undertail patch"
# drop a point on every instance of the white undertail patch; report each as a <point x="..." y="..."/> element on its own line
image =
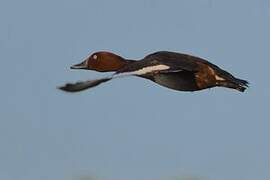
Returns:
<point x="218" y="78"/>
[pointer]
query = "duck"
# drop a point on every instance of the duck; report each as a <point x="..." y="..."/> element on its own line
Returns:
<point x="177" y="71"/>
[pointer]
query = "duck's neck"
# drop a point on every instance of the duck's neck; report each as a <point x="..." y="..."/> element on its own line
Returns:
<point x="123" y="62"/>
<point x="112" y="65"/>
<point x="128" y="61"/>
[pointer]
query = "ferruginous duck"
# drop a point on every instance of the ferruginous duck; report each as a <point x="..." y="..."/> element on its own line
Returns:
<point x="181" y="72"/>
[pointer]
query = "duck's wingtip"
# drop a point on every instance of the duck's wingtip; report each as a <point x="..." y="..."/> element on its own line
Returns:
<point x="66" y="88"/>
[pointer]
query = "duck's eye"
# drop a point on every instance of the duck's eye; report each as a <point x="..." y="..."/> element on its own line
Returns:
<point x="95" y="57"/>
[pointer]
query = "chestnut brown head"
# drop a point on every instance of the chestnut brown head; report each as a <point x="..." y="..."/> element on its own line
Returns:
<point x="102" y="62"/>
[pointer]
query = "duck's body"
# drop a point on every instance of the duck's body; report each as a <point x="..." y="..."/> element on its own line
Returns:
<point x="173" y="70"/>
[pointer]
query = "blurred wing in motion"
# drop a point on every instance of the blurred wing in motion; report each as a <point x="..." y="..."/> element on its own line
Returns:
<point x="82" y="85"/>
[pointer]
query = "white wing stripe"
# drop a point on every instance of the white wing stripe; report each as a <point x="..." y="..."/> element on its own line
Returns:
<point x="144" y="70"/>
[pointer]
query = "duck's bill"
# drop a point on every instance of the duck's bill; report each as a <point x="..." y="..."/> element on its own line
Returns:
<point x="82" y="65"/>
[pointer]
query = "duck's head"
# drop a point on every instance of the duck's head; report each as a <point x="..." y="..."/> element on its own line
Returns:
<point x="101" y="61"/>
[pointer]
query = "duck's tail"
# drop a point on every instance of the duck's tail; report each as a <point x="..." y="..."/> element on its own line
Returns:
<point x="234" y="83"/>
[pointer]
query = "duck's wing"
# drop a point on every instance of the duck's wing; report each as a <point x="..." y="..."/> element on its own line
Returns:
<point x="82" y="85"/>
<point x="176" y="61"/>
<point x="158" y="63"/>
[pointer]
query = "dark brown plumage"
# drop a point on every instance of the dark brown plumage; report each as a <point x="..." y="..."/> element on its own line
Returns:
<point x="173" y="70"/>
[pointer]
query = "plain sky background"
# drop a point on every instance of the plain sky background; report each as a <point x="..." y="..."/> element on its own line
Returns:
<point x="132" y="129"/>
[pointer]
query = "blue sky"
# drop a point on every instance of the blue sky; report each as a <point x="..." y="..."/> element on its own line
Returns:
<point x="132" y="128"/>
